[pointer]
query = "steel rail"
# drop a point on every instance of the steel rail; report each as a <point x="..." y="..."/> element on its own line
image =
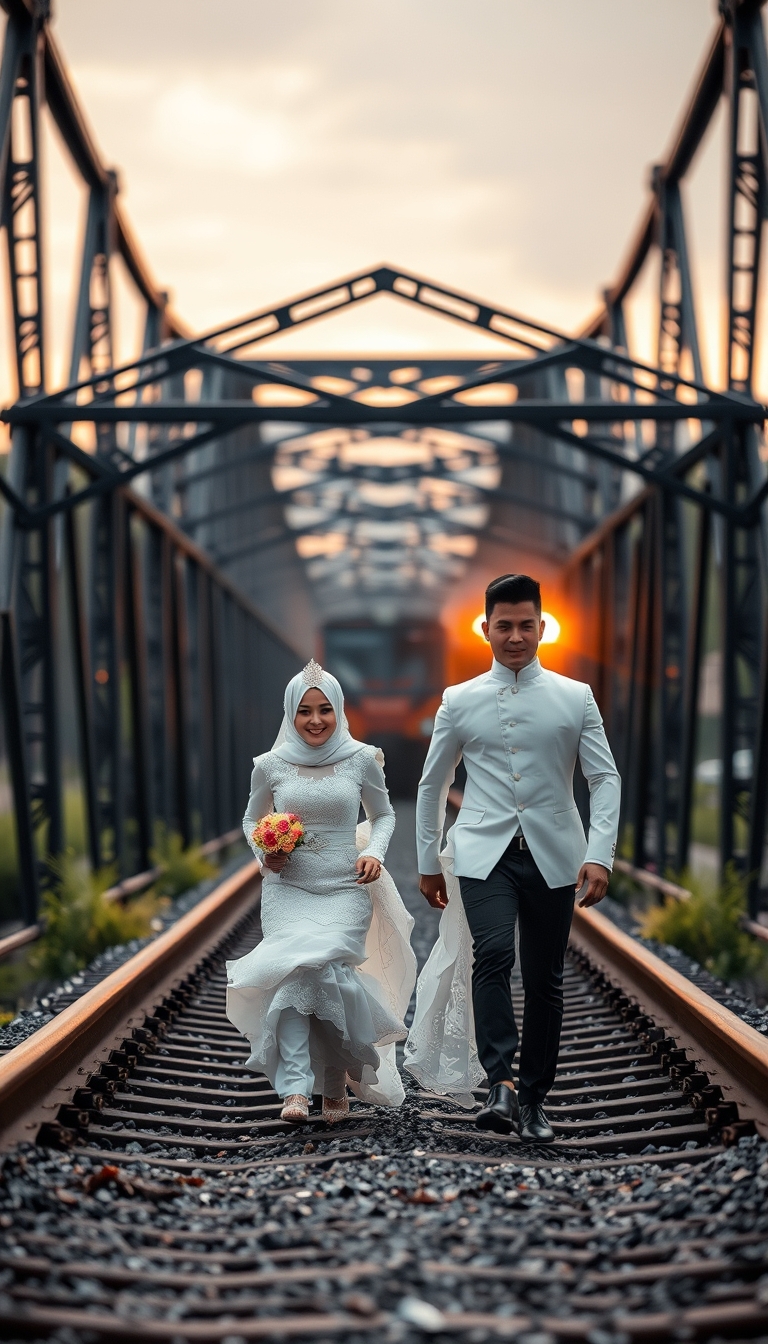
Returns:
<point x="13" y="941"/>
<point x="651" y="880"/>
<point x="732" y="1053"/>
<point x="37" y="1067"/>
<point x="163" y="1127"/>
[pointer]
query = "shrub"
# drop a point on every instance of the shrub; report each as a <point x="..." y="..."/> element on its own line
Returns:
<point x="79" y="923"/>
<point x="15" y="981"/>
<point x="707" y="928"/>
<point x="9" y="867"/>
<point x="182" y="868"/>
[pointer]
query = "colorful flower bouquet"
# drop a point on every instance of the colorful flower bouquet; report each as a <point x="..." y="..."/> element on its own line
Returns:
<point x="278" y="833"/>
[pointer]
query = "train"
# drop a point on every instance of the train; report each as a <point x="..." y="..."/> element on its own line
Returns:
<point x="393" y="678"/>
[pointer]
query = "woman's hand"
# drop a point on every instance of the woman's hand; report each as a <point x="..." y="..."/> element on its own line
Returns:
<point x="368" y="868"/>
<point x="276" y="862"/>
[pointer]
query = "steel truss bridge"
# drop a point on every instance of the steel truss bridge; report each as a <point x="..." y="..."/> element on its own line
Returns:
<point x="151" y="511"/>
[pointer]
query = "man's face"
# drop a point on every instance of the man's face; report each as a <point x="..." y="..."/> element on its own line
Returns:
<point x="513" y="632"/>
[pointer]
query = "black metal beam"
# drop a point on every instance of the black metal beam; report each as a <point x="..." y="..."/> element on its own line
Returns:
<point x="543" y="413"/>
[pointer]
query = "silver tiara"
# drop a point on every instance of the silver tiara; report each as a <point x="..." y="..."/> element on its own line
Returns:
<point x="312" y="674"/>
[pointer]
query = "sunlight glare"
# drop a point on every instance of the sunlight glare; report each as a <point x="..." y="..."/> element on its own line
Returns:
<point x="551" y="627"/>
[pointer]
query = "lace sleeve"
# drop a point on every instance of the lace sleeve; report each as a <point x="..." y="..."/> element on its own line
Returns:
<point x="259" y="803"/>
<point x="378" y="809"/>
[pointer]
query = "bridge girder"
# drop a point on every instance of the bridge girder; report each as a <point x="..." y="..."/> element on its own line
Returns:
<point x="650" y="461"/>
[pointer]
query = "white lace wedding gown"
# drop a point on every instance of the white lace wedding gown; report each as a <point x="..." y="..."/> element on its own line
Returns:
<point x="333" y="950"/>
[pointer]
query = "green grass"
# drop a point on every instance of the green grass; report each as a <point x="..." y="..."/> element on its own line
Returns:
<point x="79" y="923"/>
<point x="182" y="868"/>
<point x="707" y="928"/>
<point x="9" y="869"/>
<point x="74" y="831"/>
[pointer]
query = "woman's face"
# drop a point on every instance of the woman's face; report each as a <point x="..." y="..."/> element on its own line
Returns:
<point x="315" y="718"/>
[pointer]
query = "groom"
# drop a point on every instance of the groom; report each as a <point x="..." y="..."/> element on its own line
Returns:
<point x="520" y="849"/>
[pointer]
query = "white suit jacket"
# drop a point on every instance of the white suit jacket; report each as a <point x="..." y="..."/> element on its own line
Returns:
<point x="519" y="735"/>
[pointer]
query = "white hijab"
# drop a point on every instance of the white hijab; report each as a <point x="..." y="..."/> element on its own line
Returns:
<point x="289" y="743"/>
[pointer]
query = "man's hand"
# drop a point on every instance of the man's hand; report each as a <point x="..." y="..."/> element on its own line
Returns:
<point x="432" y="886"/>
<point x="595" y="877"/>
<point x="276" y="862"/>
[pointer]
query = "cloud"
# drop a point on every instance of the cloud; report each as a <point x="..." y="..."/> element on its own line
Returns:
<point x="500" y="147"/>
<point x="196" y="127"/>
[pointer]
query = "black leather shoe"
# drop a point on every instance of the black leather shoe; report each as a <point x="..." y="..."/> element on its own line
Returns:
<point x="501" y="1112"/>
<point x="534" y="1124"/>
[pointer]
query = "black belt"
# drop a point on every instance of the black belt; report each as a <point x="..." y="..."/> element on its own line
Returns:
<point x="518" y="842"/>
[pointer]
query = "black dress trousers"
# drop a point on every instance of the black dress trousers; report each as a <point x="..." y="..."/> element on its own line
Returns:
<point x="515" y="890"/>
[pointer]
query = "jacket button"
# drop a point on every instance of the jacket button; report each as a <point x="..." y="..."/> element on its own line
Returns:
<point x="514" y="690"/>
<point x="521" y="808"/>
<point x="518" y="776"/>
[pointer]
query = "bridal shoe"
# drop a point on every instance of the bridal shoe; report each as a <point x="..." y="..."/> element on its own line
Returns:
<point x="335" y="1109"/>
<point x="295" y="1109"/>
<point x="500" y="1112"/>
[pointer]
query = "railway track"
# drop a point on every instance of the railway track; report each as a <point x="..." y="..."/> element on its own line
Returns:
<point x="150" y="1191"/>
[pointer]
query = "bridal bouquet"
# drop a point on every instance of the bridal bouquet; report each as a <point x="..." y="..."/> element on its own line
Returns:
<point x="278" y="833"/>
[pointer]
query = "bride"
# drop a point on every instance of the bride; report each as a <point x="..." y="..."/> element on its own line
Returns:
<point x="321" y="999"/>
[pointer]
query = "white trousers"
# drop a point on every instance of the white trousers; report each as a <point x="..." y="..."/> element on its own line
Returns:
<point x="294" y="1075"/>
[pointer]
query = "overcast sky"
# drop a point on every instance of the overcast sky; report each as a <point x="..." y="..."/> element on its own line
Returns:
<point x="265" y="148"/>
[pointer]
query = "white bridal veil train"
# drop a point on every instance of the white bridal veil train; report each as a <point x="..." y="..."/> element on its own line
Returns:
<point x="391" y="963"/>
<point x="440" y="1052"/>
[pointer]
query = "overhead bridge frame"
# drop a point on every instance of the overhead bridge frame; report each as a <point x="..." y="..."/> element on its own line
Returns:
<point x="76" y="483"/>
<point x="112" y="614"/>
